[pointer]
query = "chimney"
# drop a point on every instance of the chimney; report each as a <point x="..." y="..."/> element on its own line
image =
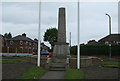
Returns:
<point x="35" y="39"/>
<point x="24" y="34"/>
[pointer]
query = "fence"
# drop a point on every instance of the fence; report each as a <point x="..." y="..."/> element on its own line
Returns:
<point x="17" y="50"/>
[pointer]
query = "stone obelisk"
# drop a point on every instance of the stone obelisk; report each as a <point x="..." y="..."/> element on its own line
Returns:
<point x="61" y="48"/>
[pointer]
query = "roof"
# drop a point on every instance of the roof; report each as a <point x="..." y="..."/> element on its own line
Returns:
<point x="112" y="37"/>
<point x="1" y="36"/>
<point x="20" y="37"/>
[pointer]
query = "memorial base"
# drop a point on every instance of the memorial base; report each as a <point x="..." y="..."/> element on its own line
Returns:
<point x="61" y="50"/>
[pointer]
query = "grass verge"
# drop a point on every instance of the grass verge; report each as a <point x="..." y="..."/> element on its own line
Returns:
<point x="114" y="60"/>
<point x="111" y="64"/>
<point x="74" y="74"/>
<point x="9" y="60"/>
<point x="33" y="73"/>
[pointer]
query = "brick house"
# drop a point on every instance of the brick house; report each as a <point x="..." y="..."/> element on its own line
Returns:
<point x="1" y="42"/>
<point x="1" y="37"/>
<point x="110" y="39"/>
<point x="20" y="44"/>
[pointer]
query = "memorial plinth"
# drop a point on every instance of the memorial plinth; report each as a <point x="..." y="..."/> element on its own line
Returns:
<point x="61" y="48"/>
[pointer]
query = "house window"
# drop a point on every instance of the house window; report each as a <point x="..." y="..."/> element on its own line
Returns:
<point x="26" y="42"/>
<point x="33" y="50"/>
<point x="11" y="42"/>
<point x="33" y="44"/>
<point x="106" y="42"/>
<point x="114" y="42"/>
<point x="21" y="42"/>
<point x="30" y="43"/>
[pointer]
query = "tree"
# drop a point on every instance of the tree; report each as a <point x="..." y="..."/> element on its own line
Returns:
<point x="5" y="35"/>
<point x="51" y="36"/>
<point x="9" y="35"/>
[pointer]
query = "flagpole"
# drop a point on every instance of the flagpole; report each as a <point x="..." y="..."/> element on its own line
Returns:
<point x="78" y="45"/>
<point x="39" y="35"/>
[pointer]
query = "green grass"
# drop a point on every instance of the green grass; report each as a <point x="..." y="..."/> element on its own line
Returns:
<point x="33" y="73"/>
<point x="9" y="60"/>
<point x="111" y="64"/>
<point x="74" y="74"/>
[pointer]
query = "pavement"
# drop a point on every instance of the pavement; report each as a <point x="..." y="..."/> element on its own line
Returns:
<point x="54" y="75"/>
<point x="101" y="73"/>
<point x="92" y="72"/>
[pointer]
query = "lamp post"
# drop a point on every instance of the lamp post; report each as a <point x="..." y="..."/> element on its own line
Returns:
<point x="109" y="33"/>
<point x="109" y="23"/>
<point x="70" y="39"/>
<point x="110" y="50"/>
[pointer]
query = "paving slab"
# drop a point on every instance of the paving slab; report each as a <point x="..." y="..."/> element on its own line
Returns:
<point x="54" y="75"/>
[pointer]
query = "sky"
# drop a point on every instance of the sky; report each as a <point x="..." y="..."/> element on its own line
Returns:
<point x="22" y="17"/>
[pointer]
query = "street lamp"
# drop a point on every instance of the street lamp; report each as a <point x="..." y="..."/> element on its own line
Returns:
<point x="109" y="23"/>
<point x="109" y="33"/>
<point x="70" y="39"/>
<point x="110" y="50"/>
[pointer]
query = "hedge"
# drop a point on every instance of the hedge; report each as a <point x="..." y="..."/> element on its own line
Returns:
<point x="96" y="50"/>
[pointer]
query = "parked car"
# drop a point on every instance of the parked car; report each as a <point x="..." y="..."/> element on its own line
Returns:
<point x="44" y="52"/>
<point x="34" y="53"/>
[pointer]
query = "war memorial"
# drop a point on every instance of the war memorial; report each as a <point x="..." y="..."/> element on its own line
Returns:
<point x="61" y="59"/>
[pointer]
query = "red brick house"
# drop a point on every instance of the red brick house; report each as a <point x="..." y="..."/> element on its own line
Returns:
<point x="1" y="42"/>
<point x="110" y="39"/>
<point x="20" y="44"/>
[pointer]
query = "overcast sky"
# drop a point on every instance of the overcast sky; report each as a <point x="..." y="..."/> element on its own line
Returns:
<point x="22" y="17"/>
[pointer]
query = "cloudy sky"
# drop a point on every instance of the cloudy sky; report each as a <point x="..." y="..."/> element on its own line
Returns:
<point x="22" y="17"/>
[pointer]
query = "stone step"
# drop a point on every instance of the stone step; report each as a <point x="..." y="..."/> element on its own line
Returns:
<point x="56" y="69"/>
<point x="59" y="65"/>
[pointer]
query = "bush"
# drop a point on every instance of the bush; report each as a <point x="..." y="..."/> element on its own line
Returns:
<point x="96" y="49"/>
<point x="73" y="49"/>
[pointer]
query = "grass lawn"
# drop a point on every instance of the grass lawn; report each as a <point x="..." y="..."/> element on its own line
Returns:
<point x="111" y="64"/>
<point x="10" y="60"/>
<point x="33" y="73"/>
<point x="74" y="74"/>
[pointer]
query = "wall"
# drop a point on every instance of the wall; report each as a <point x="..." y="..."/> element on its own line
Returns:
<point x="85" y="62"/>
